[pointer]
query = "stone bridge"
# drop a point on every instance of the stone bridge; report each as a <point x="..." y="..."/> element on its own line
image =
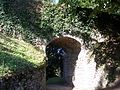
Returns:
<point x="79" y="68"/>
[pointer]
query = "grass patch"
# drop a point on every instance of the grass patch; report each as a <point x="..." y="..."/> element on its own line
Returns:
<point x="17" y="55"/>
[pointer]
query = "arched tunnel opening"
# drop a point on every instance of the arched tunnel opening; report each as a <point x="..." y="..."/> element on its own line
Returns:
<point x="62" y="54"/>
<point x="55" y="55"/>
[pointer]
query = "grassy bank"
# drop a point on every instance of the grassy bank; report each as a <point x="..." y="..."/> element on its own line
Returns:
<point x="17" y="55"/>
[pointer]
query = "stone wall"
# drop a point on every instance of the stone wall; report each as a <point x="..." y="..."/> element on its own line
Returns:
<point x="29" y="80"/>
<point x="87" y="77"/>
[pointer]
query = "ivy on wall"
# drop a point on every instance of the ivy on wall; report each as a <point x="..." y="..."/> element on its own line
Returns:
<point x="29" y="19"/>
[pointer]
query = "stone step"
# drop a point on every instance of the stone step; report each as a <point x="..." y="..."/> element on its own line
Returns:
<point x="58" y="87"/>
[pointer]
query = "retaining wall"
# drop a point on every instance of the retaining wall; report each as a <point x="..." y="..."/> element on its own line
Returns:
<point x="29" y="80"/>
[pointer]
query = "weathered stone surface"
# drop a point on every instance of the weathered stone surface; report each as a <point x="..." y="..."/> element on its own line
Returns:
<point x="68" y="43"/>
<point x="58" y="87"/>
<point x="32" y="80"/>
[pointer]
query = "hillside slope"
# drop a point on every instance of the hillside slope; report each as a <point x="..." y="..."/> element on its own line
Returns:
<point x="17" y="55"/>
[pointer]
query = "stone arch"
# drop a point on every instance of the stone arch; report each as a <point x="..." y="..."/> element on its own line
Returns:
<point x="72" y="48"/>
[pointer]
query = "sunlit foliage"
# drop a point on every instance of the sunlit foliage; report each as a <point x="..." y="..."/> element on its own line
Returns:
<point x="28" y="19"/>
<point x="81" y="18"/>
<point x="110" y="6"/>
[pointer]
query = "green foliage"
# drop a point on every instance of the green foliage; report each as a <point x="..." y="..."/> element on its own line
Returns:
<point x="19" y="23"/>
<point x="107" y="53"/>
<point x="16" y="55"/>
<point x="21" y="19"/>
<point x="80" y="3"/>
<point x="63" y="20"/>
<point x="54" y="17"/>
<point x="110" y="6"/>
<point x="78" y="21"/>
